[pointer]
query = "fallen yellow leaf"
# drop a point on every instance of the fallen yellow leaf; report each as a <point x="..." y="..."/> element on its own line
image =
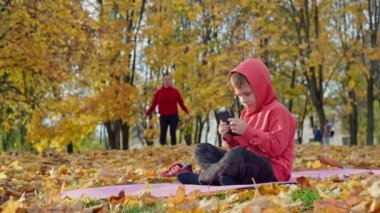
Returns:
<point x="179" y="197"/>
<point x="2" y="175"/>
<point x="316" y="164"/>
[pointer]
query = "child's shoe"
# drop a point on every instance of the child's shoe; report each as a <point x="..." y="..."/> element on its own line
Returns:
<point x="193" y="178"/>
<point x="176" y="169"/>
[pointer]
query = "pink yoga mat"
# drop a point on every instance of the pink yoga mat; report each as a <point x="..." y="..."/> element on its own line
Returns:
<point x="170" y="189"/>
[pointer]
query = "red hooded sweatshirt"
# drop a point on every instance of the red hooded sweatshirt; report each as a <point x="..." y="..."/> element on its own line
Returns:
<point x="271" y="127"/>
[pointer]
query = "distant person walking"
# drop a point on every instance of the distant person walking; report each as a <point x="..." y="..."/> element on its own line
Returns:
<point x="327" y="133"/>
<point x="167" y="98"/>
<point x="317" y="134"/>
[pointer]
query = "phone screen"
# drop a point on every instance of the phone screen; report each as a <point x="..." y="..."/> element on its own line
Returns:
<point x="224" y="115"/>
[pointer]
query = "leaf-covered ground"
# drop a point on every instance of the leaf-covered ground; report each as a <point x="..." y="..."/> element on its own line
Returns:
<point x="32" y="183"/>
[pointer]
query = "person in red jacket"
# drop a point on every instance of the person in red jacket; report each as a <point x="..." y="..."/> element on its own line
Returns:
<point x="260" y="143"/>
<point x="167" y="98"/>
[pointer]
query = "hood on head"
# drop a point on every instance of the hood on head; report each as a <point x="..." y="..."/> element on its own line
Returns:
<point x="258" y="77"/>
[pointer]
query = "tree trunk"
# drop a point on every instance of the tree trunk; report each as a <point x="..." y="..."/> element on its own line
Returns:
<point x="4" y="142"/>
<point x="188" y="131"/>
<point x="319" y="80"/>
<point x="125" y="135"/>
<point x="200" y="125"/>
<point x="118" y="134"/>
<point x="70" y="148"/>
<point x="292" y="85"/>
<point x="370" y="112"/>
<point x="312" y="123"/>
<point x="374" y="24"/>
<point x="300" y="122"/>
<point x="196" y="130"/>
<point x="217" y="125"/>
<point x="207" y="122"/>
<point x="314" y="77"/>
<point x="353" y="119"/>
<point x="300" y="131"/>
<point x="111" y="135"/>
<point x="371" y="96"/>
<point x="316" y="96"/>
<point x="187" y="138"/>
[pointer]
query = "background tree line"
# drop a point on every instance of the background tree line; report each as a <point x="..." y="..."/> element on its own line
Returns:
<point x="67" y="67"/>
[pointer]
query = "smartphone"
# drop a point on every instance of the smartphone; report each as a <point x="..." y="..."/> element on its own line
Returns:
<point x="224" y="115"/>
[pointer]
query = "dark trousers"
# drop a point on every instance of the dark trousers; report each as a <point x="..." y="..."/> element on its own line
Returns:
<point x="238" y="163"/>
<point x="165" y="122"/>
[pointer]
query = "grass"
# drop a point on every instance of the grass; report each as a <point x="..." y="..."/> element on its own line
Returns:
<point x="144" y="208"/>
<point x="307" y="196"/>
<point x="90" y="203"/>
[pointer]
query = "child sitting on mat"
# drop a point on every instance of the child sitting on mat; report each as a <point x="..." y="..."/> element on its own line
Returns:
<point x="262" y="146"/>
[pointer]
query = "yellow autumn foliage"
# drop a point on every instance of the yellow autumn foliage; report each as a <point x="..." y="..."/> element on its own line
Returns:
<point x="67" y="67"/>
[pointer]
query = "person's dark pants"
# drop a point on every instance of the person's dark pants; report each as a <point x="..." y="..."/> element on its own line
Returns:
<point x="237" y="166"/>
<point x="165" y="122"/>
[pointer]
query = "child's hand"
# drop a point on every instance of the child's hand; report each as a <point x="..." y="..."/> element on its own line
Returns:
<point x="224" y="129"/>
<point x="237" y="126"/>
